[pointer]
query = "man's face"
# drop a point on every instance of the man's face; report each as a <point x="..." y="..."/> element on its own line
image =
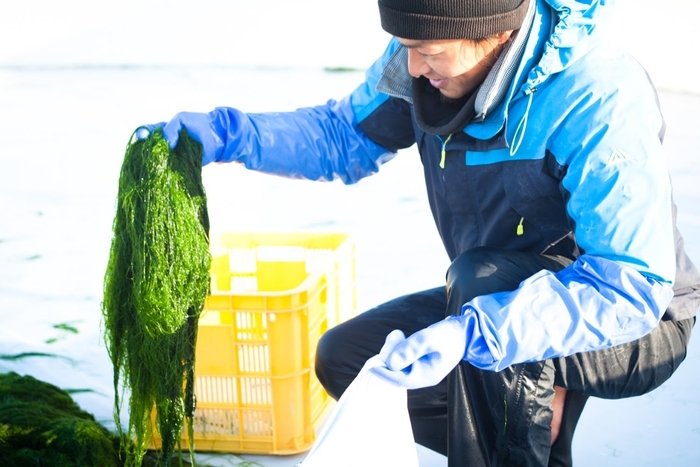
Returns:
<point x="455" y="67"/>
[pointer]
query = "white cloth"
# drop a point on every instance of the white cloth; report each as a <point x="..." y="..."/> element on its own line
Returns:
<point x="369" y="427"/>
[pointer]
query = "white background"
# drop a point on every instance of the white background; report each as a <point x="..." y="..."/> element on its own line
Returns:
<point x="76" y="77"/>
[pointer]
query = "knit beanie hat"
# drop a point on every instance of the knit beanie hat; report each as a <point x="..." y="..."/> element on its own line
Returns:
<point x="450" y="19"/>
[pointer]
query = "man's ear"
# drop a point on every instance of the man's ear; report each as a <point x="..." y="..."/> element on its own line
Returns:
<point x="502" y="37"/>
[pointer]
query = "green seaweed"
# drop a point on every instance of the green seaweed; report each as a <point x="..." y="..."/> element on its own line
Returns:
<point x="66" y="327"/>
<point x="82" y="391"/>
<point x="341" y="69"/>
<point x="62" y="327"/>
<point x="41" y="425"/>
<point x="23" y="355"/>
<point x="156" y="282"/>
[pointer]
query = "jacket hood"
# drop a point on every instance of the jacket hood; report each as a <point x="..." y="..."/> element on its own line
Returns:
<point x="562" y="32"/>
<point x="577" y="29"/>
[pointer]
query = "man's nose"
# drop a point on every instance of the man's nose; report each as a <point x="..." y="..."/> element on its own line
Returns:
<point x="417" y="65"/>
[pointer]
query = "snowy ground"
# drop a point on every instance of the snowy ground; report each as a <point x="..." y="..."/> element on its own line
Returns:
<point x="64" y="127"/>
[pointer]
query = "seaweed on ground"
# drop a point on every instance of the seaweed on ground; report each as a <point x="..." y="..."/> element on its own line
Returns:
<point x="41" y="425"/>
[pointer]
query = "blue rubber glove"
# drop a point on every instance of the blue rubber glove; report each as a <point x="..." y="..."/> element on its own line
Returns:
<point x="426" y="357"/>
<point x="209" y="129"/>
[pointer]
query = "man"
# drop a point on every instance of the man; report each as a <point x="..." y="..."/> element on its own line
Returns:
<point x="541" y="147"/>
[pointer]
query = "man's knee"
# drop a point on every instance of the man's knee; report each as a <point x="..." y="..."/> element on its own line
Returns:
<point x="341" y="353"/>
<point x="477" y="263"/>
<point x="476" y="272"/>
<point x="328" y="354"/>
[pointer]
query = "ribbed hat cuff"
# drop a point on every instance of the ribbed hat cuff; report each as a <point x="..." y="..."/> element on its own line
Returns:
<point x="419" y="26"/>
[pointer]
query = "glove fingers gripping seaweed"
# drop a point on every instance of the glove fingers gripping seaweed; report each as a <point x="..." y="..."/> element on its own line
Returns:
<point x="211" y="130"/>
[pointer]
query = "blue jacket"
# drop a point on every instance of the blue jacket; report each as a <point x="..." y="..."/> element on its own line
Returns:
<point x="567" y="160"/>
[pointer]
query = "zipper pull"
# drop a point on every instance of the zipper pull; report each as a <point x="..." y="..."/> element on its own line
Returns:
<point x="443" y="151"/>
<point x="520" y="230"/>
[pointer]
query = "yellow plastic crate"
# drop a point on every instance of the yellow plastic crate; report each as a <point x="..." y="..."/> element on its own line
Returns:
<point x="273" y="296"/>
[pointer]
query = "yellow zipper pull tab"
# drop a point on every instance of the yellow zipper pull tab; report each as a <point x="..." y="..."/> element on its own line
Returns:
<point x="443" y="152"/>
<point x="520" y="230"/>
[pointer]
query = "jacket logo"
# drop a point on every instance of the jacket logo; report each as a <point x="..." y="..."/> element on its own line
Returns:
<point x="618" y="156"/>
